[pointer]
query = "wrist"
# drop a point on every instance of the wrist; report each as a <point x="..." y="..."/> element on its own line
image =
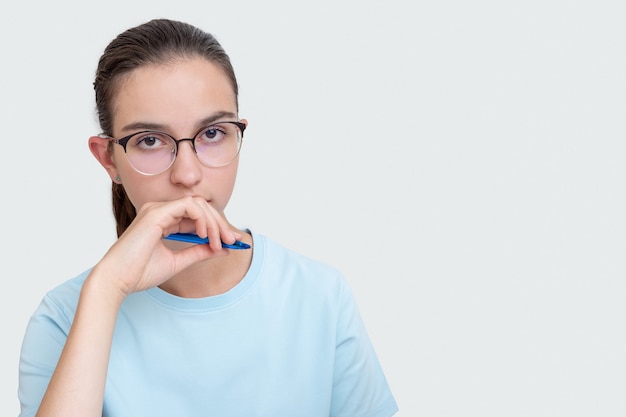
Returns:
<point x="101" y="284"/>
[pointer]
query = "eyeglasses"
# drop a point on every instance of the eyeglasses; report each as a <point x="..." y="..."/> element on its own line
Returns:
<point x="151" y="152"/>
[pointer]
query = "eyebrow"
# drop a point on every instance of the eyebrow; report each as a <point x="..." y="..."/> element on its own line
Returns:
<point x="157" y="126"/>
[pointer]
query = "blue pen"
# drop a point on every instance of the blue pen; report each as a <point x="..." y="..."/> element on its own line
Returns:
<point x="193" y="238"/>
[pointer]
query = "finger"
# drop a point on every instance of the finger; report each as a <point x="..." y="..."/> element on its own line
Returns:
<point x="196" y="253"/>
<point x="217" y="228"/>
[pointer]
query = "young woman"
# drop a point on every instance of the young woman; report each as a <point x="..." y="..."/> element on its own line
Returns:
<point x="162" y="327"/>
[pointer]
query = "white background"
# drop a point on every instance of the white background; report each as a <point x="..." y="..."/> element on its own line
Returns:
<point x="463" y="163"/>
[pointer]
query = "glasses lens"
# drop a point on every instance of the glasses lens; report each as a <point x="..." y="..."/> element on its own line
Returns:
<point x="151" y="152"/>
<point x="218" y="144"/>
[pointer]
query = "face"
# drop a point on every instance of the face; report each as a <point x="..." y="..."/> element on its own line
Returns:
<point x="178" y="99"/>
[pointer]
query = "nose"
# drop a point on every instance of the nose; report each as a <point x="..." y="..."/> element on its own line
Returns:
<point x="186" y="169"/>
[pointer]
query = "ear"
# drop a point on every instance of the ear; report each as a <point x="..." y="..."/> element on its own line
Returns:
<point x="100" y="148"/>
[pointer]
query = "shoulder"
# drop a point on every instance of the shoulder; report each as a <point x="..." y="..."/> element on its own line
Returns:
<point x="64" y="297"/>
<point x="69" y="288"/>
<point x="277" y="257"/>
<point x="296" y="272"/>
<point x="49" y="324"/>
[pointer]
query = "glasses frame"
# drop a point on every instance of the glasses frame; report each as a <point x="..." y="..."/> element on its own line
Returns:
<point x="124" y="141"/>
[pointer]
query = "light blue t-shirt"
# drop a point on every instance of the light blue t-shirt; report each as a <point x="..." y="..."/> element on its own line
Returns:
<point x="287" y="341"/>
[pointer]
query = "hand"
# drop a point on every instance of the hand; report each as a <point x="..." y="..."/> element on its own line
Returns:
<point x="140" y="260"/>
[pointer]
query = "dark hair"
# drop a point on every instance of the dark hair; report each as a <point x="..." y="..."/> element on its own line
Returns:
<point x="158" y="41"/>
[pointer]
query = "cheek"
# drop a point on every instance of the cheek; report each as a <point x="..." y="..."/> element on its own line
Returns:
<point x="232" y="175"/>
<point x="127" y="174"/>
<point x="222" y="185"/>
<point x="119" y="159"/>
<point x="138" y="193"/>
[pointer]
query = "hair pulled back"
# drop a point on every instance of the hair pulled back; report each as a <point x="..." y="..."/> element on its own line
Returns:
<point x="159" y="41"/>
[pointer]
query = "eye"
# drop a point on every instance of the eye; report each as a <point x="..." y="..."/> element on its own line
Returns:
<point x="150" y="141"/>
<point x="213" y="134"/>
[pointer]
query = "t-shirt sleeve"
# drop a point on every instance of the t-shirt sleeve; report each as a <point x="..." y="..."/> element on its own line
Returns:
<point x="360" y="388"/>
<point x="43" y="342"/>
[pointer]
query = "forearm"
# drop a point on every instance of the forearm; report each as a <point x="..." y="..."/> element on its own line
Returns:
<point x="77" y="385"/>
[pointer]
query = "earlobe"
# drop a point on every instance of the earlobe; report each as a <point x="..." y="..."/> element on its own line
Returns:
<point x="99" y="148"/>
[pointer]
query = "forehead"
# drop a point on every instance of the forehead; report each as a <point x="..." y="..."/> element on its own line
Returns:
<point x="177" y="94"/>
